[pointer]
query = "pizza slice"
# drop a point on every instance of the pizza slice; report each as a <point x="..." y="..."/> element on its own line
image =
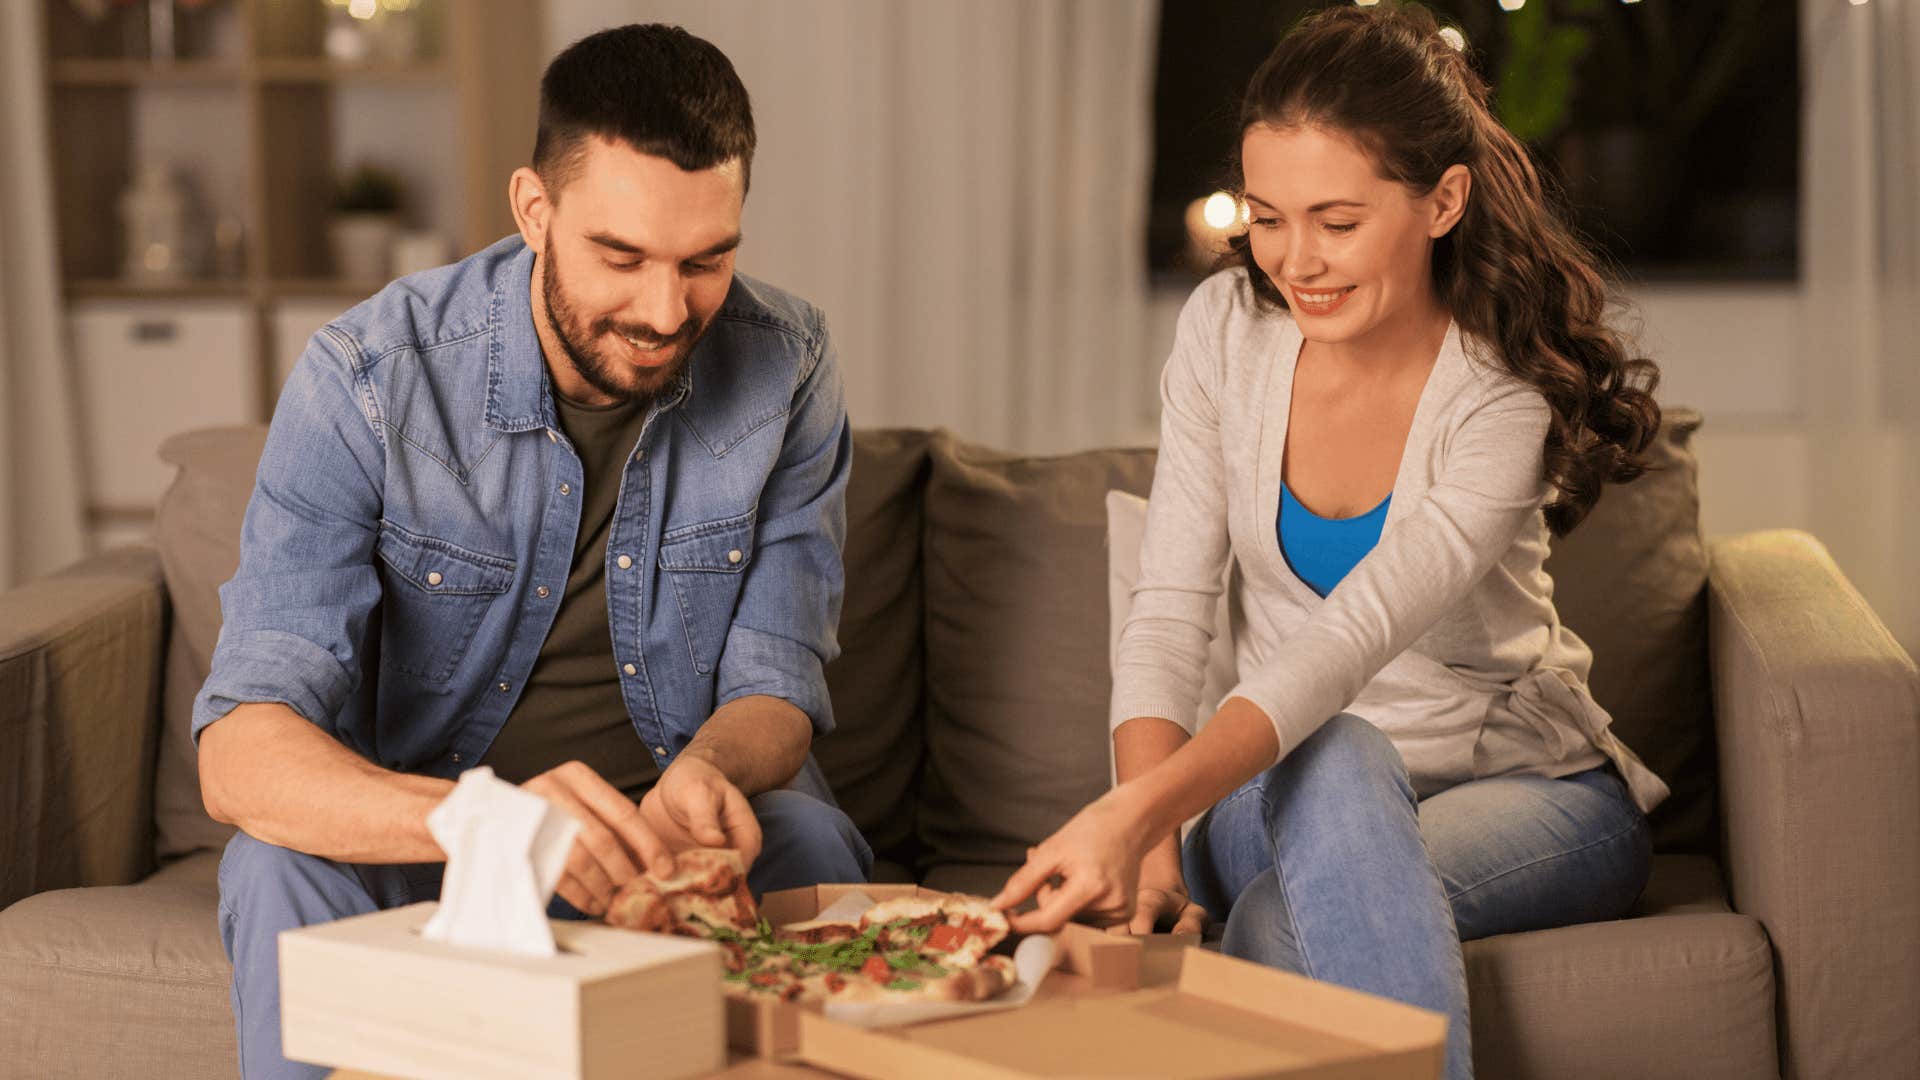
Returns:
<point x="817" y="932"/>
<point x="883" y="979"/>
<point x="959" y="929"/>
<point x="706" y="896"/>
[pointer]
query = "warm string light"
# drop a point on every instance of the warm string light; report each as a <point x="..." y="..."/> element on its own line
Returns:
<point x="1220" y="209"/>
<point x="365" y="10"/>
<point x="1455" y="38"/>
<point x="1512" y="5"/>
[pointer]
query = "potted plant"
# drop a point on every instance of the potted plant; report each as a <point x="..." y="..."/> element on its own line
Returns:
<point x="366" y="218"/>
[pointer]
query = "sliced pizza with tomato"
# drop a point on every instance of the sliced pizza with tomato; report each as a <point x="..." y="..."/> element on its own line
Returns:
<point x="911" y="949"/>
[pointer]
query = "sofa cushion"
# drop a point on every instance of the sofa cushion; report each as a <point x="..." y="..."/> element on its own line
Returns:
<point x="1631" y="581"/>
<point x="128" y="981"/>
<point x="1687" y="997"/>
<point x="872" y="756"/>
<point x="79" y="679"/>
<point x="1017" y="678"/>
<point x="197" y="528"/>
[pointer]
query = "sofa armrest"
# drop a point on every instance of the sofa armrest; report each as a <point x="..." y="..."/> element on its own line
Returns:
<point x="80" y="664"/>
<point x="1817" y="711"/>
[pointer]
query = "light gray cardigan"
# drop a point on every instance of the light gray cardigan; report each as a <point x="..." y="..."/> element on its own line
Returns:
<point x="1444" y="636"/>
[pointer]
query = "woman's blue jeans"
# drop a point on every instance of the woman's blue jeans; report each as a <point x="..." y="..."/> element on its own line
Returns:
<point x="1328" y="865"/>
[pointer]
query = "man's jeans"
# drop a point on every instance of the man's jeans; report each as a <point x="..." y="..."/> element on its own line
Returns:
<point x="1328" y="866"/>
<point x="265" y="889"/>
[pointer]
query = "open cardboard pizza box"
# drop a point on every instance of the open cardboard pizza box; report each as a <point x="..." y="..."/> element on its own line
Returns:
<point x="370" y="993"/>
<point x="1119" y="1006"/>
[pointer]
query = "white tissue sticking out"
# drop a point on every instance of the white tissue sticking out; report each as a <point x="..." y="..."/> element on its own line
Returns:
<point x="506" y="849"/>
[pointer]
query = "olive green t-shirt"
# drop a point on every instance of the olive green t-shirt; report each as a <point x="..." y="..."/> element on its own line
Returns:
<point x="571" y="707"/>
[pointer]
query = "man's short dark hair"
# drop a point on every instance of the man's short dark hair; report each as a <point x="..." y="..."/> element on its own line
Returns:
<point x="655" y="88"/>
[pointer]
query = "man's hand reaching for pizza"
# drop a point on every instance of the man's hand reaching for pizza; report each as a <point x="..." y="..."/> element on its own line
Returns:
<point x="615" y="843"/>
<point x="695" y="805"/>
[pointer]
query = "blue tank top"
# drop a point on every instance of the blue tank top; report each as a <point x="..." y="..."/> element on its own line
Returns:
<point x="1320" y="550"/>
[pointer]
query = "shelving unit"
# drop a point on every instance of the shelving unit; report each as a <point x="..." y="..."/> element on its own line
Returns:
<point x="251" y="113"/>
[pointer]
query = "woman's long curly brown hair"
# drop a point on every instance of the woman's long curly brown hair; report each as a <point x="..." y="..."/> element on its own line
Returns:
<point x="1512" y="272"/>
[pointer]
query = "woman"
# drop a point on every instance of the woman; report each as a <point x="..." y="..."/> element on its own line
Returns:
<point x="1378" y="416"/>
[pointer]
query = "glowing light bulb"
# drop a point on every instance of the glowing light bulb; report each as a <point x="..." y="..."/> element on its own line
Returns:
<point x="363" y="9"/>
<point x="1220" y="210"/>
<point x="1512" y="5"/>
<point x="1454" y="38"/>
<point x="1365" y="3"/>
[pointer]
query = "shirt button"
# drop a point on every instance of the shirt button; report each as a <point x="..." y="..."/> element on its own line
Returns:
<point x="734" y="556"/>
<point x="660" y="750"/>
<point x="504" y="687"/>
<point x="434" y="578"/>
<point x="630" y="669"/>
<point x="541" y="592"/>
<point x="566" y="489"/>
<point x="551" y="437"/>
<point x="456" y="759"/>
<point x="624" y="562"/>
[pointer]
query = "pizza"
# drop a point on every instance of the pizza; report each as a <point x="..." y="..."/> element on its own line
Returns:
<point x="956" y="929"/>
<point x="911" y="949"/>
<point x="708" y="888"/>
<point x="850" y="963"/>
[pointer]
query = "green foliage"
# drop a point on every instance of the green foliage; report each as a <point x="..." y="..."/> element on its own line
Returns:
<point x="368" y="189"/>
<point x="1534" y="91"/>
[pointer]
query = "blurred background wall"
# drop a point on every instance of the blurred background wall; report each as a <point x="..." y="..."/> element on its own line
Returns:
<point x="990" y="198"/>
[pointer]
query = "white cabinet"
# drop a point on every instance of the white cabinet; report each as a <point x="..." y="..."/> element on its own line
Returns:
<point x="148" y="369"/>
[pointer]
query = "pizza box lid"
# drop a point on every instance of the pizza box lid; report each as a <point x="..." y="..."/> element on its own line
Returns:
<point x="1222" y="1018"/>
<point x="370" y="993"/>
<point x="1093" y="961"/>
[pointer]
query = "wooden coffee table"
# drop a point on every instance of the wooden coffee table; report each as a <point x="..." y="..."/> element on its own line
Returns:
<point x="739" y="1067"/>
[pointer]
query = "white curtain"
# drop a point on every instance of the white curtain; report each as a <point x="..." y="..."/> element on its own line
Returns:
<point x="962" y="187"/>
<point x="41" y="501"/>
<point x="1897" y="171"/>
<point x="1860" y="266"/>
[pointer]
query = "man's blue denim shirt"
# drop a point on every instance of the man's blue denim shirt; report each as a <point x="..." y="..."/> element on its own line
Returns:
<point x="416" y="493"/>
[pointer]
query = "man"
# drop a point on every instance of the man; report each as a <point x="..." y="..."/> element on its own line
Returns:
<point x="571" y="508"/>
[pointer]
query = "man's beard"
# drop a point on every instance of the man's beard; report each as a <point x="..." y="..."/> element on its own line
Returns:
<point x="599" y="371"/>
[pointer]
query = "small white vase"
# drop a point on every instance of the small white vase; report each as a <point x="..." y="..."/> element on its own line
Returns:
<point x="153" y="212"/>
<point x="362" y="245"/>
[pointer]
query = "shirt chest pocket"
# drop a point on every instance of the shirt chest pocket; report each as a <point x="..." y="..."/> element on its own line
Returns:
<point x="706" y="564"/>
<point x="434" y="595"/>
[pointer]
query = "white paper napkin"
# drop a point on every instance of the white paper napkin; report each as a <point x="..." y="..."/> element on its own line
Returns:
<point x="1033" y="958"/>
<point x="506" y="849"/>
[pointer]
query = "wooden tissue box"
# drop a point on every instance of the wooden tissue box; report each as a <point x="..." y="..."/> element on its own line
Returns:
<point x="369" y="993"/>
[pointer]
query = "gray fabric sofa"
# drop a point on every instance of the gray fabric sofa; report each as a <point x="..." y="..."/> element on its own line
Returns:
<point x="1780" y="934"/>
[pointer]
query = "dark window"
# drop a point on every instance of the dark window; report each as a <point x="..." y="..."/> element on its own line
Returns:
<point x="1673" y="129"/>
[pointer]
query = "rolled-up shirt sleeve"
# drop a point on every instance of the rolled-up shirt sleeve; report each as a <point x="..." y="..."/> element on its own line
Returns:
<point x="785" y="627"/>
<point x="294" y="617"/>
